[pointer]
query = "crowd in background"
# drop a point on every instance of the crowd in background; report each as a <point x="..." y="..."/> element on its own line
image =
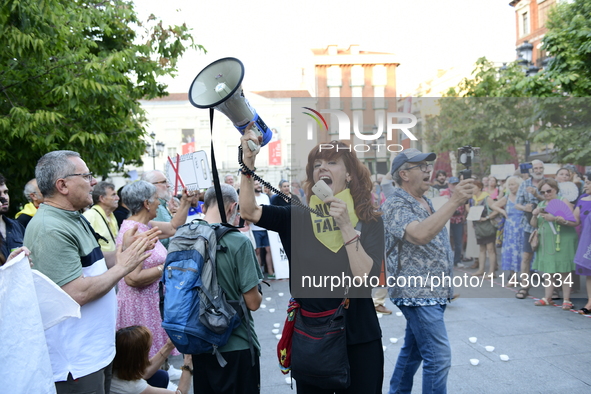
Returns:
<point x="514" y="206"/>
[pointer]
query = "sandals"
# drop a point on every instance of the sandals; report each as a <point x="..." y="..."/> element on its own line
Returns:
<point x="585" y="311"/>
<point x="522" y="293"/>
<point x="544" y="302"/>
<point x="567" y="305"/>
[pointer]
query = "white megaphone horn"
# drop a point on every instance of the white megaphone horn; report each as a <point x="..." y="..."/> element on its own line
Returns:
<point x="219" y="86"/>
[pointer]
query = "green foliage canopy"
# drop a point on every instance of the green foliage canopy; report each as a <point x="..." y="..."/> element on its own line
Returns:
<point x="71" y="77"/>
<point x="558" y="95"/>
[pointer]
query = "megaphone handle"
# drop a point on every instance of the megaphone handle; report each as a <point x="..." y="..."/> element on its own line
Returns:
<point x="253" y="147"/>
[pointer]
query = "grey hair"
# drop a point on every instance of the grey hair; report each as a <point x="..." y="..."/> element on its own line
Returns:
<point x="134" y="195"/>
<point x="100" y="189"/>
<point x="516" y="179"/>
<point x="536" y="161"/>
<point x="396" y="175"/>
<point x="150" y="176"/>
<point x="229" y="196"/>
<point x="51" y="167"/>
<point x="29" y="189"/>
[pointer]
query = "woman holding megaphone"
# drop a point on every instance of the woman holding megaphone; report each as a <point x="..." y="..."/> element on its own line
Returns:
<point x="342" y="240"/>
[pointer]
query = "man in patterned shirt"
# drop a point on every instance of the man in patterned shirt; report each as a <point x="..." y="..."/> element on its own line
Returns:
<point x="526" y="201"/>
<point x="418" y="248"/>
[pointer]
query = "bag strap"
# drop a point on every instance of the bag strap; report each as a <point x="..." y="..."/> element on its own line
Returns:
<point x="106" y="224"/>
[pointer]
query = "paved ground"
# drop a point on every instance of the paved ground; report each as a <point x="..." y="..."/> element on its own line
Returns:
<point x="547" y="347"/>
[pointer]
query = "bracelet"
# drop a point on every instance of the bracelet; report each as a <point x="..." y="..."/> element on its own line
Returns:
<point x="187" y="368"/>
<point x="349" y="242"/>
<point x="160" y="268"/>
<point x="248" y="173"/>
<point x="354" y="239"/>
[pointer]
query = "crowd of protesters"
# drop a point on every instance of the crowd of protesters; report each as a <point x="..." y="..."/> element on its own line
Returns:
<point x="77" y="230"/>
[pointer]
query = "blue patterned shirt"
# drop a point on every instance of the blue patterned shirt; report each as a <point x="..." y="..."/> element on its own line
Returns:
<point x="412" y="267"/>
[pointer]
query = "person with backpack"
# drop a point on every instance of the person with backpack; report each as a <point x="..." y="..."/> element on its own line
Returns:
<point x="238" y="275"/>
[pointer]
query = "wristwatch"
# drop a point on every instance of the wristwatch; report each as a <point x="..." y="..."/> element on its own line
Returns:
<point x="187" y="368"/>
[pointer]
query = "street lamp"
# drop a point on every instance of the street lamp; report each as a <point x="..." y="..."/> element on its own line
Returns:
<point x="156" y="148"/>
<point x="524" y="58"/>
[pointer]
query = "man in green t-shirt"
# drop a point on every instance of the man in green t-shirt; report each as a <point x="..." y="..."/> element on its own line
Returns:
<point x="239" y="274"/>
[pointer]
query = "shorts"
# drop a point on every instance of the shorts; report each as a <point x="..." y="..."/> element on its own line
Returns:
<point x="261" y="237"/>
<point x="526" y="245"/>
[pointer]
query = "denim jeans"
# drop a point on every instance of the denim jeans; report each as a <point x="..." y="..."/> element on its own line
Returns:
<point x="457" y="233"/>
<point x="425" y="341"/>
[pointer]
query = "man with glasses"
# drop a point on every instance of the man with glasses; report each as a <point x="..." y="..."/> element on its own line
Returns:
<point x="527" y="199"/>
<point x="64" y="248"/>
<point x="163" y="214"/>
<point x="418" y="248"/>
<point x="33" y="195"/>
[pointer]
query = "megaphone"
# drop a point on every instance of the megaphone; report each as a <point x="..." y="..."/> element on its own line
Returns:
<point x="219" y="86"/>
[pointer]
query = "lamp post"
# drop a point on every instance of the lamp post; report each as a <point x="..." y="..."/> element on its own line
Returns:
<point x="376" y="146"/>
<point x="524" y="59"/>
<point x="156" y="148"/>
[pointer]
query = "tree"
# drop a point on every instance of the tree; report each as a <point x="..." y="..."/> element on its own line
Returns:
<point x="558" y="113"/>
<point x="71" y="77"/>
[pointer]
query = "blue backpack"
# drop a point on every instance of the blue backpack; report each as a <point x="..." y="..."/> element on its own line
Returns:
<point x="195" y="313"/>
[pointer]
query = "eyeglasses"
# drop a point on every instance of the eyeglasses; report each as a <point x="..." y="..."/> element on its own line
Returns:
<point x="423" y="167"/>
<point x="164" y="182"/>
<point x="542" y="192"/>
<point x="87" y="176"/>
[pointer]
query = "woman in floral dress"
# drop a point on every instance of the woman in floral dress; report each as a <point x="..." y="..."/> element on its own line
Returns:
<point x="138" y="298"/>
<point x="512" y="232"/>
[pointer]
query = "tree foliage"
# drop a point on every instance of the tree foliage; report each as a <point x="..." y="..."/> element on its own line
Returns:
<point x="554" y="101"/>
<point x="71" y="77"/>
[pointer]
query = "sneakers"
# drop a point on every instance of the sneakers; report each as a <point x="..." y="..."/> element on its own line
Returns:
<point x="173" y="373"/>
<point x="460" y="265"/>
<point x="271" y="276"/>
<point x="383" y="309"/>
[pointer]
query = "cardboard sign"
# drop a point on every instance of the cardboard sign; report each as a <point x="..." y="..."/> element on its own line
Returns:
<point x="193" y="170"/>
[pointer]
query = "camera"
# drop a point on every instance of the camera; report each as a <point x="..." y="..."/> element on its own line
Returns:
<point x="466" y="156"/>
<point x="525" y="167"/>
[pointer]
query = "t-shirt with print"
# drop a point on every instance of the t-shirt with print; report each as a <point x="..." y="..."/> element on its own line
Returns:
<point x="306" y="253"/>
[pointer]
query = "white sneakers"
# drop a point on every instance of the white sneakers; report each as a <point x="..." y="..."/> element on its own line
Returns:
<point x="173" y="373"/>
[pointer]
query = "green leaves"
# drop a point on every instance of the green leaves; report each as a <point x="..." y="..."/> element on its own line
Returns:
<point x="71" y="77"/>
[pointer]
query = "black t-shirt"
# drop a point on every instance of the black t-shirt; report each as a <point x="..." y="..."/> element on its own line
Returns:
<point x="308" y="257"/>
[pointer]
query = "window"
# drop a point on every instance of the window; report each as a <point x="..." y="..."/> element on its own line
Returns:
<point x="380" y="76"/>
<point x="525" y="24"/>
<point x="357" y="76"/>
<point x="188" y="135"/>
<point x="333" y="76"/>
<point x="171" y="152"/>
